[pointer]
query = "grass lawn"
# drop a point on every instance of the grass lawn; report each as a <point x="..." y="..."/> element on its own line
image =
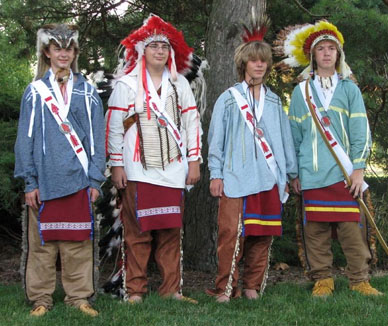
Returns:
<point x="282" y="304"/>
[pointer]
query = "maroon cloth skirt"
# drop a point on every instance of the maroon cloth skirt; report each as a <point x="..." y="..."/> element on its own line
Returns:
<point x="331" y="204"/>
<point x="66" y="218"/>
<point x="158" y="207"/>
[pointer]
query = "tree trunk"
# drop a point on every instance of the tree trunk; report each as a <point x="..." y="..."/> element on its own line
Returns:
<point x="224" y="35"/>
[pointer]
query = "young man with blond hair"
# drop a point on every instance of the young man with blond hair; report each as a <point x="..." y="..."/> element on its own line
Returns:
<point x="251" y="156"/>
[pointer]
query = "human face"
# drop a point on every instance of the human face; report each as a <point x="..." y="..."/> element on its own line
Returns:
<point x="60" y="58"/>
<point x="255" y="69"/>
<point x="156" y="55"/>
<point x="326" y="54"/>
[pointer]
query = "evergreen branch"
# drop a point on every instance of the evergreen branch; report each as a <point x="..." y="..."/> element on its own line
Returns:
<point x="309" y="13"/>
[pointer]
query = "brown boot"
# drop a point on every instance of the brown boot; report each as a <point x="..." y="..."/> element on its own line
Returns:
<point x="323" y="288"/>
<point x="365" y="288"/>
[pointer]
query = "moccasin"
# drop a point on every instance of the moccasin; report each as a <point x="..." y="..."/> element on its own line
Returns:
<point x="365" y="288"/>
<point x="323" y="288"/>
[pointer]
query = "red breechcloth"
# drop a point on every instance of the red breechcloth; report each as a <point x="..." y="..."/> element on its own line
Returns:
<point x="67" y="218"/>
<point x="262" y="213"/>
<point x="331" y="204"/>
<point x="158" y="207"/>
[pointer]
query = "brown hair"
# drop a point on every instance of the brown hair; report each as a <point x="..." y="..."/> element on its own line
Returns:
<point x="249" y="52"/>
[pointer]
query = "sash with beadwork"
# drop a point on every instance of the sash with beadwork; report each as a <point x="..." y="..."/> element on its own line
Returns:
<point x="158" y="207"/>
<point x="341" y="154"/>
<point x="262" y="214"/>
<point x="59" y="113"/>
<point x="68" y="218"/>
<point x="330" y="204"/>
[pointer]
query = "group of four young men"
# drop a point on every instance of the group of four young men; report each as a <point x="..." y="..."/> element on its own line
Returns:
<point x="153" y="140"/>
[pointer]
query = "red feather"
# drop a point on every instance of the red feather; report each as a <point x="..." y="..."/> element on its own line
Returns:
<point x="156" y="25"/>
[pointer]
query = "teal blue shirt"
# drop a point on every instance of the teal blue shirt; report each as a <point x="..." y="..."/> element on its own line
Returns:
<point x="349" y="124"/>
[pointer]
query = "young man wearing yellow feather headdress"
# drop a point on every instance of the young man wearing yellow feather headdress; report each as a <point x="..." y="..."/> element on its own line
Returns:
<point x="329" y="203"/>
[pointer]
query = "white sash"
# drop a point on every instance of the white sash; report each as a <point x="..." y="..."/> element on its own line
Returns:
<point x="343" y="157"/>
<point x="157" y="105"/>
<point x="247" y="115"/>
<point x="58" y="112"/>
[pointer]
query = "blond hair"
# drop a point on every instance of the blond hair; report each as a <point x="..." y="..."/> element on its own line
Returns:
<point x="250" y="52"/>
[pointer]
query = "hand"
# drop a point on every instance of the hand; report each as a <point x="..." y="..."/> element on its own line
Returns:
<point x="119" y="178"/>
<point x="94" y="193"/>
<point x="295" y="183"/>
<point x="357" y="179"/>
<point x="32" y="199"/>
<point x="287" y="188"/>
<point x="194" y="173"/>
<point x="216" y="187"/>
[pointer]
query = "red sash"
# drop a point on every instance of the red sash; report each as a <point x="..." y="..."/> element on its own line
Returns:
<point x="158" y="207"/>
<point x="331" y="204"/>
<point x="67" y="218"/>
<point x="262" y="213"/>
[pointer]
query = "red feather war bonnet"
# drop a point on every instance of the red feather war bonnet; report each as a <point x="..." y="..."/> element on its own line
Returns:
<point x="155" y="29"/>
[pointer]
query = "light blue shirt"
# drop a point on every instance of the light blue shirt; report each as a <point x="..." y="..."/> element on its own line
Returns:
<point x="232" y="155"/>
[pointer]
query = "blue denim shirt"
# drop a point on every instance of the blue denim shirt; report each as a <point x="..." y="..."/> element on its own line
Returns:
<point x="56" y="171"/>
<point x="232" y="154"/>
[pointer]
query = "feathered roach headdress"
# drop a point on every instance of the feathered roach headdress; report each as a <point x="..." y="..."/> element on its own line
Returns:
<point x="296" y="43"/>
<point x="155" y="29"/>
<point x="259" y="25"/>
<point x="253" y="33"/>
<point x="63" y="35"/>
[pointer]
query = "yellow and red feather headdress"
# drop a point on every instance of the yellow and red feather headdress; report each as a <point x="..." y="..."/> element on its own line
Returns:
<point x="296" y="43"/>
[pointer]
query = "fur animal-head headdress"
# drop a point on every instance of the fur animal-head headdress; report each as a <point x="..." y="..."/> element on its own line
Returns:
<point x="297" y="43"/>
<point x="63" y="35"/>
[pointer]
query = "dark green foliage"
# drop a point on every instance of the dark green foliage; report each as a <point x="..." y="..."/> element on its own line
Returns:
<point x="284" y="249"/>
<point x="10" y="189"/>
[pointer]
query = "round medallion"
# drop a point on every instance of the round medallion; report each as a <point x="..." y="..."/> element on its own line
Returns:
<point x="259" y="132"/>
<point x="65" y="127"/>
<point x="326" y="121"/>
<point x="162" y="122"/>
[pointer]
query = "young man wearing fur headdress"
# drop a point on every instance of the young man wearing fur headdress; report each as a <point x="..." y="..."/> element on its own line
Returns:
<point x="330" y="205"/>
<point x="154" y="144"/>
<point x="59" y="153"/>
<point x="251" y="156"/>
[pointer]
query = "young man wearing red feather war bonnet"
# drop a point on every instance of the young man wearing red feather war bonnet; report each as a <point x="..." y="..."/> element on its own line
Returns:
<point x="59" y="153"/>
<point x="154" y="144"/>
<point x="336" y="103"/>
<point x="251" y="155"/>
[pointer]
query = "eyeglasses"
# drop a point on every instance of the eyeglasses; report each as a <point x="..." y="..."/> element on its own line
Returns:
<point x="156" y="47"/>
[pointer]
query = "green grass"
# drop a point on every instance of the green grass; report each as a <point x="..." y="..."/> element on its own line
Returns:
<point x="282" y="304"/>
